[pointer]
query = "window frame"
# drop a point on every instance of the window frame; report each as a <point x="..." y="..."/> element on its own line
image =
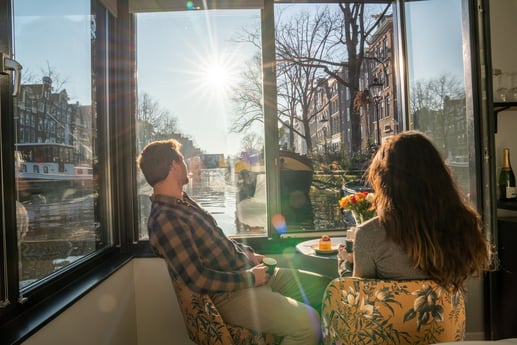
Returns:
<point x="23" y="312"/>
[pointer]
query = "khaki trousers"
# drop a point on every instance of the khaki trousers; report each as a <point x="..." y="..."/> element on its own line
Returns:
<point x="287" y="306"/>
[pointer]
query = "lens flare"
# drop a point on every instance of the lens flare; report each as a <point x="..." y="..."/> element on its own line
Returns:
<point x="279" y="223"/>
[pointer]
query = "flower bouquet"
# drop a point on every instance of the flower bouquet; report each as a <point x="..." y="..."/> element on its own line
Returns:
<point x="360" y="204"/>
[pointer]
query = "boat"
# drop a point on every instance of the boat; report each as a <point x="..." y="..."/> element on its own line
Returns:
<point x="296" y="172"/>
<point x="50" y="161"/>
<point x="48" y="172"/>
<point x="295" y="169"/>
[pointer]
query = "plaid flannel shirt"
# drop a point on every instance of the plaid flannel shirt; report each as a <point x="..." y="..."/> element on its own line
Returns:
<point x="196" y="248"/>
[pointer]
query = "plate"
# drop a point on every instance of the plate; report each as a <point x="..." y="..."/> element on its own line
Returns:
<point x="334" y="249"/>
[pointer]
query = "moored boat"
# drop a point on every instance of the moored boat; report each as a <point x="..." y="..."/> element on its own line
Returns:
<point x="296" y="173"/>
<point x="50" y="161"/>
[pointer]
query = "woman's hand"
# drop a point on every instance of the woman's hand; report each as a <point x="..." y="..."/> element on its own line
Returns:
<point x="344" y="255"/>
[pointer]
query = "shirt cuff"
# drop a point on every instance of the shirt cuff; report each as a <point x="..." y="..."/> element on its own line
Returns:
<point x="250" y="278"/>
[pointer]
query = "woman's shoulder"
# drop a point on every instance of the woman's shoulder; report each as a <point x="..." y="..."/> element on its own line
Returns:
<point x="372" y="228"/>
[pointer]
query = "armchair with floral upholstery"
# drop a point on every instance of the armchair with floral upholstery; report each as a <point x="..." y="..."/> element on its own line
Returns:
<point x="373" y="311"/>
<point x="205" y="325"/>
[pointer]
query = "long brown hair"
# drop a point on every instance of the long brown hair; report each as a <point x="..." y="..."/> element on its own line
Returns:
<point x="422" y="210"/>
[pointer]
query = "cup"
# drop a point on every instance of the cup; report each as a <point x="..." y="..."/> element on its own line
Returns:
<point x="349" y="245"/>
<point x="349" y="242"/>
<point x="270" y="263"/>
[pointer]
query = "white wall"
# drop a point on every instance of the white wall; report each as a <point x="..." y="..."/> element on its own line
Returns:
<point x="158" y="316"/>
<point x="135" y="306"/>
<point x="105" y="316"/>
<point x="503" y="28"/>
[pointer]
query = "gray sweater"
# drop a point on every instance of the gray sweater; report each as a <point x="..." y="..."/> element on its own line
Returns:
<point x="377" y="257"/>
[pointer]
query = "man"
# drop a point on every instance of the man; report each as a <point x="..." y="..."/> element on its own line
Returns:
<point x="207" y="261"/>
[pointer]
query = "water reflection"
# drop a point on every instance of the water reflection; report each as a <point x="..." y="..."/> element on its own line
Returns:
<point x="327" y="214"/>
<point x="218" y="193"/>
<point x="61" y="227"/>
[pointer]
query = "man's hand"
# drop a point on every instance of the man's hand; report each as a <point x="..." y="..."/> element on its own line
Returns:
<point x="261" y="275"/>
<point x="255" y="258"/>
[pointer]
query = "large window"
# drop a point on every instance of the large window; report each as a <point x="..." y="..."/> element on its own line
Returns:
<point x="55" y="134"/>
<point x="328" y="57"/>
<point x="188" y="89"/>
<point x="211" y="98"/>
<point x="440" y="82"/>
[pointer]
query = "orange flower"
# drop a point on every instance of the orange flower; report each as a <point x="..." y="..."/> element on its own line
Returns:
<point x="359" y="203"/>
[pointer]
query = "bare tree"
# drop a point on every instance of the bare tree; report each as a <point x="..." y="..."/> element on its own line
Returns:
<point x="149" y="111"/>
<point x="311" y="46"/>
<point x="58" y="82"/>
<point x="296" y="83"/>
<point x="154" y="122"/>
<point x="432" y="102"/>
<point x="247" y="97"/>
<point x="348" y="43"/>
<point x="305" y="35"/>
<point x="252" y="143"/>
<point x="431" y="94"/>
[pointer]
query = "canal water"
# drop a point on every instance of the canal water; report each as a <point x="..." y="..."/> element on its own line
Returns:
<point x="62" y="227"/>
<point x="218" y="194"/>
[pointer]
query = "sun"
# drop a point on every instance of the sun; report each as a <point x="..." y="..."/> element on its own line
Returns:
<point x="217" y="74"/>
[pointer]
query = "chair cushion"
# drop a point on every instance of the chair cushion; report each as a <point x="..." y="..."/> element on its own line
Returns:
<point x="372" y="311"/>
<point x="205" y="325"/>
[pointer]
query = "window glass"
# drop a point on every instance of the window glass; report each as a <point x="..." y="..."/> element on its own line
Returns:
<point x="437" y="75"/>
<point x="190" y="65"/>
<point x="55" y="131"/>
<point x="330" y="104"/>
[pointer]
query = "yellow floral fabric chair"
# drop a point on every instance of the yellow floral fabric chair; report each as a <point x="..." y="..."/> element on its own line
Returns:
<point x="374" y="311"/>
<point x="205" y="325"/>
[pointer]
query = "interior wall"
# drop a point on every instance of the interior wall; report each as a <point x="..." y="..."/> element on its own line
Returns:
<point x="158" y="316"/>
<point x="503" y="30"/>
<point x="105" y="316"/>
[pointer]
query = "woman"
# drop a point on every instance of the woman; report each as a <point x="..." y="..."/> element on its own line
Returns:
<point x="425" y="228"/>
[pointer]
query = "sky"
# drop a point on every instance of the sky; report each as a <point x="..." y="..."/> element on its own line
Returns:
<point x="435" y="46"/>
<point x="64" y="51"/>
<point x="188" y="61"/>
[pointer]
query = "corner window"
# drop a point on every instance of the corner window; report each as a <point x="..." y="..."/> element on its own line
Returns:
<point x="55" y="132"/>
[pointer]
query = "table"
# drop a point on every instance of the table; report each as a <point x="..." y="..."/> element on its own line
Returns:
<point x="305" y="248"/>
